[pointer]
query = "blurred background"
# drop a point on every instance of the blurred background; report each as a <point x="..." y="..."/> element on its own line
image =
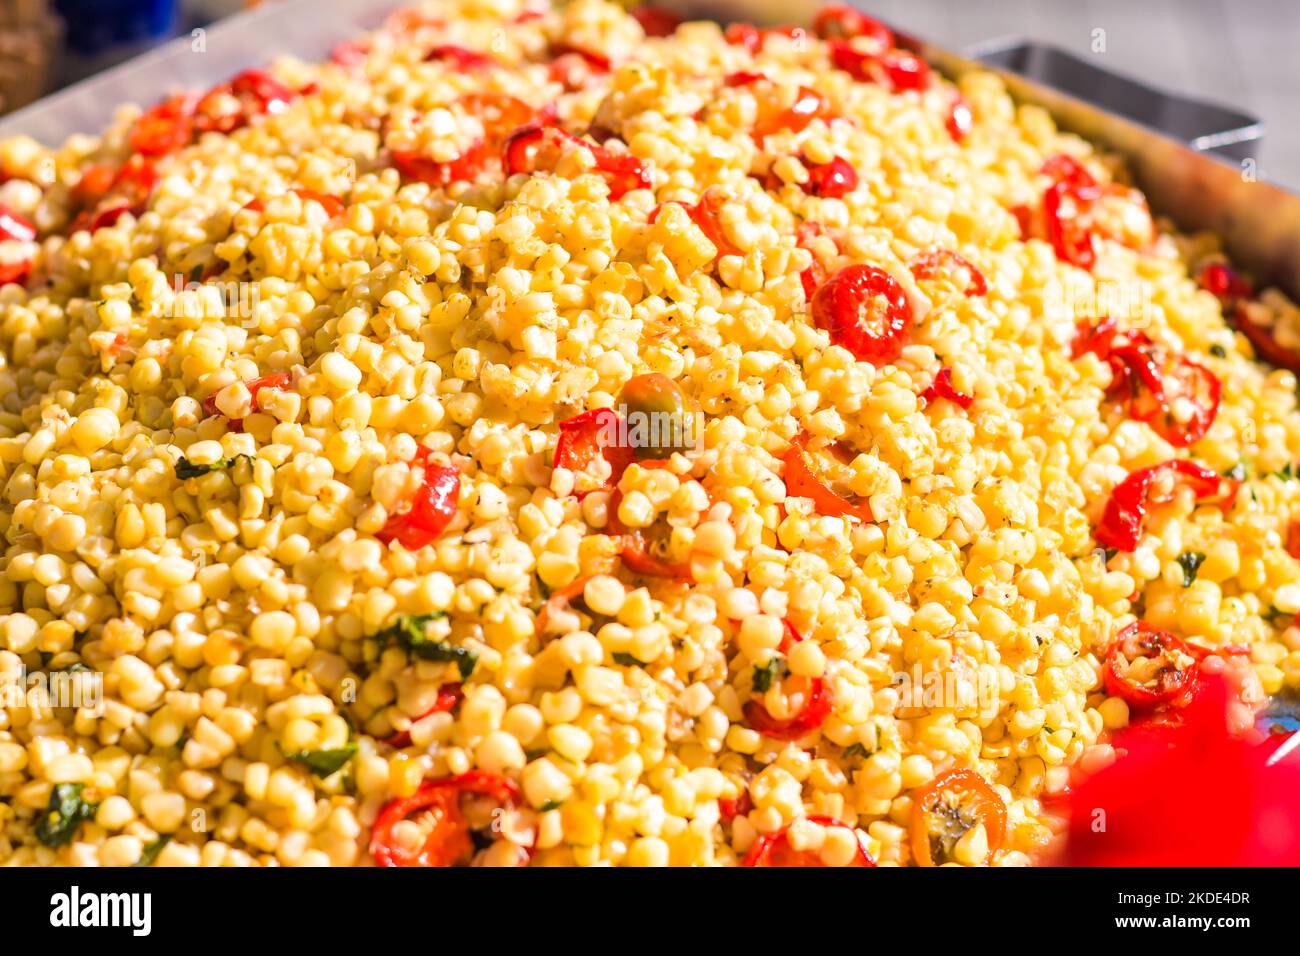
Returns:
<point x="1231" y="52"/>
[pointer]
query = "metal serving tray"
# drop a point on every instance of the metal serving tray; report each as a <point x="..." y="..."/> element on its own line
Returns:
<point x="1259" y="222"/>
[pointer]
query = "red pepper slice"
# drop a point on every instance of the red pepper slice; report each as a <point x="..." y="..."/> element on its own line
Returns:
<point x="960" y="120"/>
<point x="731" y="807"/>
<point x="332" y="205"/>
<point x="524" y="148"/>
<point x="947" y="808"/>
<point x="832" y="180"/>
<point x="640" y="549"/>
<point x="1225" y="282"/>
<point x="931" y="265"/>
<point x="752" y="38"/>
<point x="743" y="78"/>
<point x="591" y="435"/>
<point x="808" y="105"/>
<point x="276" y="380"/>
<point x="896" y="70"/>
<point x="705" y="215"/>
<point x="942" y="387"/>
<point x="816" y="708"/>
<point x="1265" y="343"/>
<point x="773" y="849"/>
<point x="1172" y="681"/>
<point x="350" y="54"/>
<point x="15" y="227"/>
<point x="838" y="21"/>
<point x="1152" y="384"/>
<point x="1121" y="524"/>
<point x="866" y="311"/>
<point x="656" y="21"/>
<point x="449" y="695"/>
<point x="164" y="128"/>
<point x="802" y="481"/>
<point x="227" y="107"/>
<point x="812" y="277"/>
<point x="448" y="841"/>
<point x="1293" y="539"/>
<point x="558" y="602"/>
<point x="459" y="57"/>
<point x="432" y="508"/>
<point x="1066" y="204"/>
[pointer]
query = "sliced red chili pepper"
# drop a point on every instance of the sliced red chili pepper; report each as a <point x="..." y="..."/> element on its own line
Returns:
<point x="1065" y="207"/>
<point x="1264" y="341"/>
<point x="332" y="205"/>
<point x="808" y="105"/>
<point x="752" y="38"/>
<point x="227" y="107"/>
<point x="459" y="56"/>
<point x="705" y="214"/>
<point x="942" y="387"/>
<point x="164" y="128"/>
<point x="15" y="227"/>
<point x="464" y="168"/>
<point x="558" y="602"/>
<point x="642" y="548"/>
<point x="802" y="481"/>
<point x="15" y="272"/>
<point x="1169" y="676"/>
<point x="430" y="511"/>
<point x="278" y="381"/>
<point x="731" y="807"/>
<point x="949" y="807"/>
<point x="931" y="265"/>
<point x="866" y="311"/>
<point x="449" y="695"/>
<point x="838" y="21"/>
<point x="896" y="70"/>
<point x="1225" y="282"/>
<point x="743" y="78"/>
<point x="1121" y="524"/>
<point x="1293" y="539"/>
<point x="773" y="849"/>
<point x="524" y="148"/>
<point x="656" y="21"/>
<point x="812" y="277"/>
<point x="590" y="436"/>
<point x="448" y="841"/>
<point x="960" y="120"/>
<point x="816" y="707"/>
<point x="1064" y="168"/>
<point x="832" y="180"/>
<point x="1158" y="390"/>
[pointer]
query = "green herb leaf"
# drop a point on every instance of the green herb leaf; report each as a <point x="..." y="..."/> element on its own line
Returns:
<point x="151" y="850"/>
<point x="187" y="469"/>
<point x="1190" y="562"/>
<point x="627" y="660"/>
<point x="550" y="805"/>
<point x="324" y="763"/>
<point x="1218" y="351"/>
<point x="856" y="750"/>
<point x="763" y="676"/>
<point x="1286" y="473"/>
<point x="411" y="632"/>
<point x="64" y="814"/>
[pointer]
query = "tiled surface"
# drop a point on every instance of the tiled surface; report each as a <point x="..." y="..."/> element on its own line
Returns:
<point x="1242" y="53"/>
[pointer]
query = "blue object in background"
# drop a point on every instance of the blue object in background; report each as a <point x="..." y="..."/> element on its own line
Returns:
<point x="95" y="26"/>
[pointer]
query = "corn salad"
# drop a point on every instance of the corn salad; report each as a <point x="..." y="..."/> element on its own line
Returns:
<point x="285" y="370"/>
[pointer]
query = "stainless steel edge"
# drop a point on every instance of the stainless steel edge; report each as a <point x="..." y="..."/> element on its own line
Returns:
<point x="302" y="28"/>
<point x="1260" y="222"/>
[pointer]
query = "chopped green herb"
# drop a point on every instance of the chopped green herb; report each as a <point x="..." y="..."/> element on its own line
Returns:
<point x="856" y="750"/>
<point x="324" y="763"/>
<point x="627" y="660"/>
<point x="1218" y="351"/>
<point x="1286" y="473"/>
<point x="411" y="632"/>
<point x="1190" y="562"/>
<point x="763" y="676"/>
<point x="151" y="850"/>
<point x="1273" y="613"/>
<point x="64" y="814"/>
<point x="550" y="805"/>
<point x="187" y="469"/>
<point x="1237" y="472"/>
